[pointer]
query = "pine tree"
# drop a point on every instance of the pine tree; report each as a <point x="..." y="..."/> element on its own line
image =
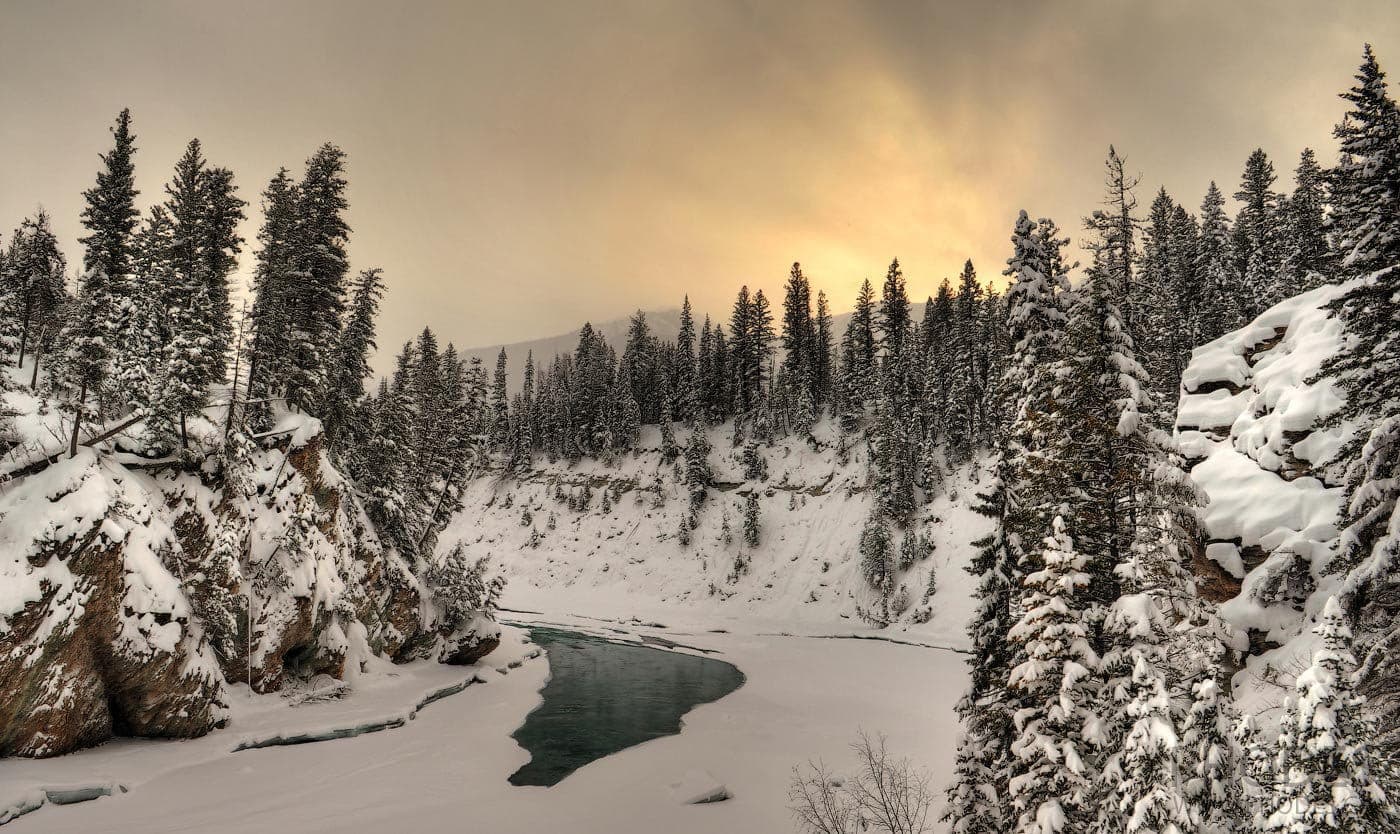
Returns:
<point x="110" y="214"/>
<point x="1221" y="309"/>
<point x="1365" y="221"/>
<point x="1308" y="258"/>
<point x="1211" y="761"/>
<point x="1331" y="779"/>
<point x="500" y="404"/>
<point x="697" y="465"/>
<point x="1050" y="781"/>
<point x="1113" y="241"/>
<point x="1365" y="188"/>
<point x="274" y="279"/>
<point x="977" y="799"/>
<point x="1258" y="236"/>
<point x="751" y="523"/>
<point x="893" y="316"/>
<point x="316" y="298"/>
<point x="343" y="415"/>
<point x="798" y="331"/>
<point x="877" y="563"/>
<point x="686" y="362"/>
<point x="821" y="354"/>
<point x="33" y="282"/>
<point x="966" y="383"/>
<point x="858" y="356"/>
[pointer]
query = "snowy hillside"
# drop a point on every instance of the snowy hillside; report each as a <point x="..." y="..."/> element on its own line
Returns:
<point x="606" y="539"/>
<point x="1253" y="422"/>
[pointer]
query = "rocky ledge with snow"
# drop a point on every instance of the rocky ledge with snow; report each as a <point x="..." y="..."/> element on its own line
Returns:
<point x="1259" y="426"/>
<point x="127" y="586"/>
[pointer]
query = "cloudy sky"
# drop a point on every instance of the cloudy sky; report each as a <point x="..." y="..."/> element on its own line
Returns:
<point x="517" y="167"/>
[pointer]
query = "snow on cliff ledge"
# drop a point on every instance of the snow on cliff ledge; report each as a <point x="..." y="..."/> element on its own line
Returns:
<point x="1253" y="423"/>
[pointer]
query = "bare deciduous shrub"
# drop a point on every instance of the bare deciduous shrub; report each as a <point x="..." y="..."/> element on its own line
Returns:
<point x="886" y="795"/>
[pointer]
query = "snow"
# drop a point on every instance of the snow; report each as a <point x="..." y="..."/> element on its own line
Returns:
<point x="804" y="697"/>
<point x="806" y="569"/>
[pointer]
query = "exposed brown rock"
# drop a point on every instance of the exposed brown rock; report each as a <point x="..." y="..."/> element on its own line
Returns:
<point x="85" y="682"/>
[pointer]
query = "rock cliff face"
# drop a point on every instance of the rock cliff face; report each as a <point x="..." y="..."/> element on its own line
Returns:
<point x="130" y="597"/>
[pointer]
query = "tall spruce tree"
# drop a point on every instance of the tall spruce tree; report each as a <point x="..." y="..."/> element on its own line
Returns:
<point x="1308" y="260"/>
<point x="316" y="297"/>
<point x="1365" y="221"/>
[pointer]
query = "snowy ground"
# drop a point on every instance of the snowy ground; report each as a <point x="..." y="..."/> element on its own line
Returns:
<point x="805" y="696"/>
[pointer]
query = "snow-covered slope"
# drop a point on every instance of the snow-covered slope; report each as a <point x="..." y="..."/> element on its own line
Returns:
<point x="628" y="558"/>
<point x="1252" y="420"/>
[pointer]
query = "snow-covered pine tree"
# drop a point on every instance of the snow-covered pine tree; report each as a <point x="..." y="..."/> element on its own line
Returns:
<point x="966" y="384"/>
<point x="1221" y="308"/>
<point x="1365" y="187"/>
<point x="500" y="404"/>
<point x="343" y="415"/>
<point x="1258" y="245"/>
<point x="33" y="281"/>
<point x="1308" y="260"/>
<point x="1365" y="184"/>
<point x="697" y="465"/>
<point x="317" y="296"/>
<point x="821" y="353"/>
<point x="1162" y="314"/>
<point x="798" y="330"/>
<point x="274" y="277"/>
<point x="1150" y="795"/>
<point x="1113" y="241"/>
<point x="877" y="563"/>
<point x="141" y="330"/>
<point x="858" y="357"/>
<point x="1211" y="761"/>
<point x="1050" y="781"/>
<point x="110" y="216"/>
<point x="751" y="519"/>
<point x="1256" y="773"/>
<point x="893" y="322"/>
<point x="1186" y="293"/>
<point x="1331" y="779"/>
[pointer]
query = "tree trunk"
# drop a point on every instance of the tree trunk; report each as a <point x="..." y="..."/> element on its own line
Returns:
<point x="77" y="420"/>
<point x="38" y="352"/>
<point x="184" y="436"/>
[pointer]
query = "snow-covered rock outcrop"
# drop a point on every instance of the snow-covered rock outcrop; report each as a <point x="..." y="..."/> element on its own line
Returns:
<point x="1253" y="421"/>
<point x="132" y="591"/>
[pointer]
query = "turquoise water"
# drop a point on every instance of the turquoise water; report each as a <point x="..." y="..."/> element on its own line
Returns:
<point x="603" y="697"/>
